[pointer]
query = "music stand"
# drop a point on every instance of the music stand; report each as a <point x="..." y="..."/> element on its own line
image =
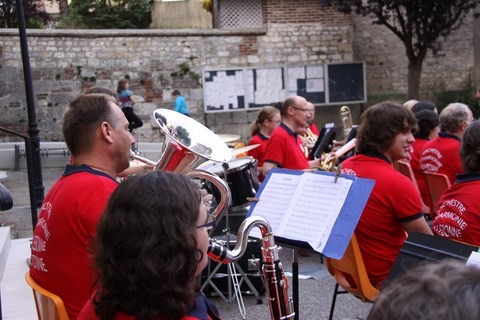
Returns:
<point x="232" y="269"/>
<point x="324" y="142"/>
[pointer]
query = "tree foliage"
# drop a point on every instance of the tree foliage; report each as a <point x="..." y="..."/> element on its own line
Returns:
<point x="109" y="14"/>
<point x="34" y="10"/>
<point x="421" y="25"/>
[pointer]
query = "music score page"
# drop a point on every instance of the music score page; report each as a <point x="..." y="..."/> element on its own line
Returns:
<point x="302" y="207"/>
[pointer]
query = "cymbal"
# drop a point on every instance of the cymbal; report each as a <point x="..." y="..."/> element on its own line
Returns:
<point x="238" y="151"/>
<point x="228" y="137"/>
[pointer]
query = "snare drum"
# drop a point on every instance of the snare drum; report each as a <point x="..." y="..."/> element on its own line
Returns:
<point x="242" y="178"/>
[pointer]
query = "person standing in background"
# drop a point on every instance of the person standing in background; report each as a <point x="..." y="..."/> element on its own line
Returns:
<point x="180" y="103"/>
<point x="268" y="119"/>
<point x="124" y="95"/>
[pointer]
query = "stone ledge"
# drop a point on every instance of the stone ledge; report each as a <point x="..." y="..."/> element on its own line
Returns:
<point x="102" y="33"/>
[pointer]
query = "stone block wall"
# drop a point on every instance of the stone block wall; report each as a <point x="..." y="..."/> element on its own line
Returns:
<point x="387" y="64"/>
<point x="66" y="62"/>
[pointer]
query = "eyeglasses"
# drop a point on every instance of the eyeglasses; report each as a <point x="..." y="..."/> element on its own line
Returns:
<point x="210" y="224"/>
<point x="276" y="121"/>
<point x="304" y="110"/>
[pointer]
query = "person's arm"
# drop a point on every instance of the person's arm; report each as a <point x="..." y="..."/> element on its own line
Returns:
<point x="267" y="166"/>
<point x="177" y="105"/>
<point x="134" y="170"/>
<point x="417" y="225"/>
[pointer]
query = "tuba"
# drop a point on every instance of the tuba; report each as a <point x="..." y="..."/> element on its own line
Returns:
<point x="276" y="283"/>
<point x="187" y="145"/>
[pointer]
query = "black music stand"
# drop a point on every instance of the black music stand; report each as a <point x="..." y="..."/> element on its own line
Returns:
<point x="324" y="142"/>
<point x="232" y="269"/>
<point x="420" y="247"/>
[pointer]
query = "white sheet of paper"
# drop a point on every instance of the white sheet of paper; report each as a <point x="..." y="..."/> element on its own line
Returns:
<point x="302" y="207"/>
<point x="474" y="259"/>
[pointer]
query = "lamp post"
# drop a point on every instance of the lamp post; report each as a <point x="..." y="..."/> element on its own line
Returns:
<point x="32" y="145"/>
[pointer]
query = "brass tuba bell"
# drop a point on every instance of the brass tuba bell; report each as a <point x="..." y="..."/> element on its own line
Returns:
<point x="187" y="145"/>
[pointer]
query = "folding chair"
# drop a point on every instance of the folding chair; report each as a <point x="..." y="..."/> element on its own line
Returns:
<point x="49" y="306"/>
<point x="436" y="184"/>
<point x="406" y="169"/>
<point x="351" y="265"/>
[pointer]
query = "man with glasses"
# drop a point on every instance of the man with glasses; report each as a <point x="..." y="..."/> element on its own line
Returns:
<point x="284" y="148"/>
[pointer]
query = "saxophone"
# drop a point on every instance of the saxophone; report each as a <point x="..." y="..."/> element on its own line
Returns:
<point x="281" y="305"/>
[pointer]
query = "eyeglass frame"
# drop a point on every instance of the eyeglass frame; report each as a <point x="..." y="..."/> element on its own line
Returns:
<point x="305" y="111"/>
<point x="210" y="224"/>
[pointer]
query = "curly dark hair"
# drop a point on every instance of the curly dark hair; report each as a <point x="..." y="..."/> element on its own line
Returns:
<point x="379" y="125"/>
<point x="146" y="251"/>
<point x="470" y="150"/>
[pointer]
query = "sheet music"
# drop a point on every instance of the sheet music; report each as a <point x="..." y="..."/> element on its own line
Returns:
<point x="303" y="207"/>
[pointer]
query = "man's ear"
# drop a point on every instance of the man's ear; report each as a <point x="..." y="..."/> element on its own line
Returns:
<point x="106" y="132"/>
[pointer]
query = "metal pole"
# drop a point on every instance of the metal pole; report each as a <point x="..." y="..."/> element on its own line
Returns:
<point x="34" y="164"/>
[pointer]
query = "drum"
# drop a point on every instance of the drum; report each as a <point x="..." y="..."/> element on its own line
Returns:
<point x="242" y="178"/>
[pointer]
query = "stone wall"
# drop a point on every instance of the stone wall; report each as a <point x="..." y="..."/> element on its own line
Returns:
<point x="65" y="62"/>
<point x="384" y="54"/>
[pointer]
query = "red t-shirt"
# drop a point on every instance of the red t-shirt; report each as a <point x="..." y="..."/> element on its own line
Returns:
<point x="442" y="155"/>
<point x="259" y="152"/>
<point x="458" y="213"/>
<point x="414" y="159"/>
<point x="394" y="199"/>
<point x="314" y="129"/>
<point x="284" y="148"/>
<point x="60" y="260"/>
<point x="203" y="310"/>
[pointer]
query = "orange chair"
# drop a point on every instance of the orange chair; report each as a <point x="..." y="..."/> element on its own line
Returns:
<point x="351" y="265"/>
<point x="49" y="306"/>
<point x="406" y="169"/>
<point x="436" y="184"/>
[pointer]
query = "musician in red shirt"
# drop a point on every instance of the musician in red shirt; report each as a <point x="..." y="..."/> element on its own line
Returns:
<point x="427" y="129"/>
<point x="150" y="250"/>
<point x="284" y="148"/>
<point x="268" y="119"/>
<point x="96" y="133"/>
<point x="458" y="213"/>
<point x="394" y="207"/>
<point x="442" y="154"/>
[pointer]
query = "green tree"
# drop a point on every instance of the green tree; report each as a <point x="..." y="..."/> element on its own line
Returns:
<point x="110" y="14"/>
<point x="421" y="25"/>
<point x="34" y="10"/>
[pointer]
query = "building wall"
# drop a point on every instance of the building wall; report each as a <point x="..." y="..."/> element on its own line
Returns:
<point x="384" y="54"/>
<point x="65" y="62"/>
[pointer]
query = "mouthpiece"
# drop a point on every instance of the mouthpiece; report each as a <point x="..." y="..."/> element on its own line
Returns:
<point x="217" y="252"/>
